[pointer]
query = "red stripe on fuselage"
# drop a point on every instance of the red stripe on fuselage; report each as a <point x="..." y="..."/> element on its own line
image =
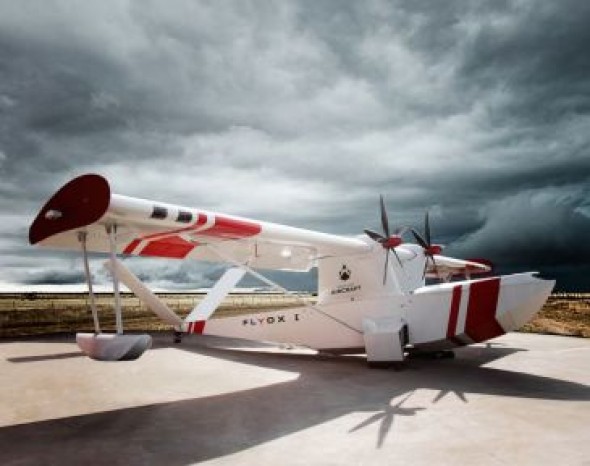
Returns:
<point x="481" y="323"/>
<point x="454" y="311"/>
<point x="196" y="327"/>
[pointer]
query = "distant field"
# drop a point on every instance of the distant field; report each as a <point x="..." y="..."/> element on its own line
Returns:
<point x="563" y="314"/>
<point x="44" y="313"/>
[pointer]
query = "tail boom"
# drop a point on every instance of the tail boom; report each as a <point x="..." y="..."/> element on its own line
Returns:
<point x="478" y="310"/>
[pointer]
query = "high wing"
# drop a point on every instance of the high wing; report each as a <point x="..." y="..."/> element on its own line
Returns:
<point x="449" y="266"/>
<point x="155" y="229"/>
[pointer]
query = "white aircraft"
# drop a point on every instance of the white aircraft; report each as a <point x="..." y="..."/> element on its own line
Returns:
<point x="366" y="302"/>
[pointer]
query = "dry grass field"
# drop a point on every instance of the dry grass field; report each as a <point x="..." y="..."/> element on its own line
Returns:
<point x="42" y="313"/>
<point x="563" y="314"/>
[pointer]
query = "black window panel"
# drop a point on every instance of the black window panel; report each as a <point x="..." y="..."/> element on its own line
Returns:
<point x="159" y="212"/>
<point x="184" y="217"/>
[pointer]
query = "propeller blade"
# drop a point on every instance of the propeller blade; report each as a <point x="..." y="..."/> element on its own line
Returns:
<point x="427" y="229"/>
<point x="384" y="219"/>
<point x="401" y="231"/>
<point x="374" y="235"/>
<point x="419" y="239"/>
<point x="398" y="259"/>
<point x="386" y="264"/>
<point x="434" y="265"/>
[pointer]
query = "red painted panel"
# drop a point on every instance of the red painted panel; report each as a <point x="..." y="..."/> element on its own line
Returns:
<point x="167" y="246"/>
<point x="232" y="229"/>
<point x="173" y="247"/>
<point x="81" y="202"/>
<point x="481" y="323"/>
<point x="197" y="327"/>
<point x="131" y="246"/>
<point x="454" y="311"/>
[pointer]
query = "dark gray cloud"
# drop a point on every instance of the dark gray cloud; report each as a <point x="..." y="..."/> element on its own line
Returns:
<point x="542" y="228"/>
<point x="302" y="112"/>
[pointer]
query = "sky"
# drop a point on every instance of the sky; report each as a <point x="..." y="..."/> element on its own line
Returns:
<point x="303" y="113"/>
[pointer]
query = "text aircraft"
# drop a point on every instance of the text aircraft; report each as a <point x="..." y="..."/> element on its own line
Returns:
<point x="372" y="296"/>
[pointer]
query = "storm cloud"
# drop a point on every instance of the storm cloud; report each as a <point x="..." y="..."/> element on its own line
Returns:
<point x="302" y="113"/>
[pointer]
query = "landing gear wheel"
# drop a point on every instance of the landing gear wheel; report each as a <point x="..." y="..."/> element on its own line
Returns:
<point x="445" y="354"/>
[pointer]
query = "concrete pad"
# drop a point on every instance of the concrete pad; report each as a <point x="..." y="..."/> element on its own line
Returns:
<point x="523" y="399"/>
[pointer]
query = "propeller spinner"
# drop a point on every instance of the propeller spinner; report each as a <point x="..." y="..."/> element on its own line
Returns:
<point x="387" y="240"/>
<point x="429" y="249"/>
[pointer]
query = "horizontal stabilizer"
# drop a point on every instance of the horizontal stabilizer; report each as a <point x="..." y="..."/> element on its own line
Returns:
<point x="450" y="266"/>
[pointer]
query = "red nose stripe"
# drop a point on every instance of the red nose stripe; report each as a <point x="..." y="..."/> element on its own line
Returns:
<point x="481" y="323"/>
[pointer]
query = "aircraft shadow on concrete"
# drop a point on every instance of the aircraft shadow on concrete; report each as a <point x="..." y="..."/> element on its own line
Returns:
<point x="327" y="388"/>
<point x="46" y="357"/>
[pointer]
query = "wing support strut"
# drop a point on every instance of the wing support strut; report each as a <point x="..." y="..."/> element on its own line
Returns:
<point x="278" y="287"/>
<point x="222" y="288"/>
<point x="143" y="293"/>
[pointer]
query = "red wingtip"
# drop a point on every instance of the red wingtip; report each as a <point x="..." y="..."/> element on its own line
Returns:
<point x="485" y="262"/>
<point x="78" y="203"/>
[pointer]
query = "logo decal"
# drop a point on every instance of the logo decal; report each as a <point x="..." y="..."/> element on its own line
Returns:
<point x="270" y="320"/>
<point x="344" y="273"/>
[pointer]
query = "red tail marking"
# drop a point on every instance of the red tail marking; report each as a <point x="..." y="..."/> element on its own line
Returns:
<point x="481" y="323"/>
<point x="225" y="227"/>
<point x="454" y="312"/>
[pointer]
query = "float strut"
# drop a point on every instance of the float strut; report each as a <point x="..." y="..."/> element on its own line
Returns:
<point x="82" y="235"/>
<point x="111" y="230"/>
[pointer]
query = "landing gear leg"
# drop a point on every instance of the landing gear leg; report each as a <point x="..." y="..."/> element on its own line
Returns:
<point x="446" y="354"/>
<point x="442" y="354"/>
<point x="177" y="337"/>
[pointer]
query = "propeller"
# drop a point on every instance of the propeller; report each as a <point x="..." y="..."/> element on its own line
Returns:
<point x="387" y="240"/>
<point x="429" y="249"/>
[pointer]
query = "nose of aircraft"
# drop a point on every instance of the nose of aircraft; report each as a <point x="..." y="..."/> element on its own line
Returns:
<point x="521" y="297"/>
